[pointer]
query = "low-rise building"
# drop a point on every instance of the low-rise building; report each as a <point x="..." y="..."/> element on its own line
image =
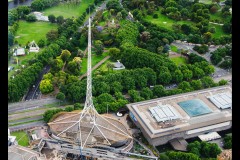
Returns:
<point x="184" y="115"/>
<point x="118" y="65"/>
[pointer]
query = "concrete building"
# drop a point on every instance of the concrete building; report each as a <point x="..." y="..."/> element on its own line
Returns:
<point x="184" y="115"/>
<point x="16" y="152"/>
<point x="11" y="139"/>
<point x="19" y="52"/>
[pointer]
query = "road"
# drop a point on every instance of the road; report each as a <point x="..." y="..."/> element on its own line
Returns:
<point x="26" y="126"/>
<point x="101" y="7"/>
<point x="30" y="105"/>
<point x="34" y="90"/>
<point x="25" y="120"/>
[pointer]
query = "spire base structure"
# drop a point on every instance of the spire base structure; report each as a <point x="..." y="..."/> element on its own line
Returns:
<point x="88" y="127"/>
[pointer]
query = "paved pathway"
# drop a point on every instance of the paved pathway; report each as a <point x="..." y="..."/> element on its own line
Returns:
<point x="96" y="66"/>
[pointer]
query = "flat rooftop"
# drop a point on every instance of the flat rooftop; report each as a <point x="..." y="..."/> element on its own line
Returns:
<point x="209" y="113"/>
<point x="194" y="107"/>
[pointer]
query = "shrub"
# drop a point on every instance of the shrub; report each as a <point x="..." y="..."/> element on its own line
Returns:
<point x="31" y="18"/>
<point x="155" y="15"/>
<point x="77" y="106"/>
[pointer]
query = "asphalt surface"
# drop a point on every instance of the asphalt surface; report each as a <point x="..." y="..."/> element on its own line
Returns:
<point x="26" y="126"/>
<point x="26" y="120"/>
<point x="30" y="105"/>
<point x="34" y="90"/>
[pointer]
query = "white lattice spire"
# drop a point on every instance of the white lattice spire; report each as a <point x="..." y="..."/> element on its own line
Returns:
<point x="89" y="125"/>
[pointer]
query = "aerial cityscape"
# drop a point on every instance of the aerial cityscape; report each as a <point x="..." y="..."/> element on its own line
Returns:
<point x="119" y="79"/>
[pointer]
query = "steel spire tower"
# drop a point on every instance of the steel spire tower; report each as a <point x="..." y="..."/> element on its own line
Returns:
<point x="89" y="107"/>
<point x="88" y="127"/>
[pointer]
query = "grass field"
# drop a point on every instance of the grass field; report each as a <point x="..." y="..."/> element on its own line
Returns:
<point x="21" y="137"/>
<point x="219" y="31"/>
<point x="174" y="48"/>
<point x="29" y="31"/>
<point x="179" y="60"/>
<point x="160" y="21"/>
<point x="68" y="10"/>
<point x="205" y="1"/>
<point x="95" y="60"/>
<point x="169" y="22"/>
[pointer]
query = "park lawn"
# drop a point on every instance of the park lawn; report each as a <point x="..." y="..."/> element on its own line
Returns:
<point x="29" y="31"/>
<point x="174" y="48"/>
<point x="162" y="18"/>
<point x="22" y="60"/>
<point x="21" y="138"/>
<point x="219" y="31"/>
<point x="216" y="15"/>
<point x="103" y="67"/>
<point x="95" y="60"/>
<point x="205" y="1"/>
<point x="179" y="60"/>
<point x="68" y="10"/>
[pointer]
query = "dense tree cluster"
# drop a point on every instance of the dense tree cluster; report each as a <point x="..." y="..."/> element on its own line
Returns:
<point x="108" y="102"/>
<point x="39" y="5"/>
<point x="204" y="149"/>
<point x="112" y="83"/>
<point x="201" y="49"/>
<point x="17" y="13"/>
<point x="172" y="155"/>
<point x="19" y="85"/>
<point x="223" y="55"/>
<point x="114" y="4"/>
<point x="31" y="18"/>
<point x="155" y="37"/>
<point x="227" y="142"/>
<point x="135" y="57"/>
<point x="193" y="58"/>
<point x="128" y="33"/>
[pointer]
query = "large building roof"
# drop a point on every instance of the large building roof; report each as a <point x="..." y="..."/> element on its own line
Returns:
<point x="140" y="112"/>
<point x="164" y="113"/>
<point x="106" y="131"/>
<point x="222" y="100"/>
<point x="16" y="152"/>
